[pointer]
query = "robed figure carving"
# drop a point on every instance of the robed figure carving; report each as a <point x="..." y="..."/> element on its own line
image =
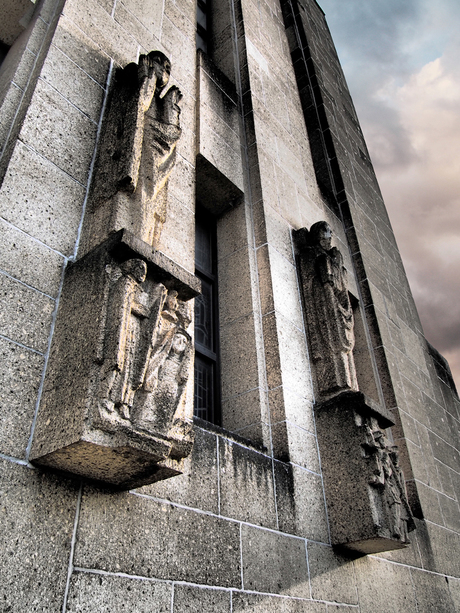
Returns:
<point x="387" y="480"/>
<point x="329" y="311"/>
<point x="145" y="354"/>
<point x="137" y="153"/>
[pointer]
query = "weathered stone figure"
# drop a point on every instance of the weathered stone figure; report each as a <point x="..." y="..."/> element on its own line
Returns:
<point x="387" y="478"/>
<point x="137" y="153"/>
<point x="167" y="369"/>
<point x="145" y="357"/>
<point x="329" y="313"/>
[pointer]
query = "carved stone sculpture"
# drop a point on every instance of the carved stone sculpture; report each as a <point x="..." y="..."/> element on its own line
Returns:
<point x="364" y="485"/>
<point x="115" y="406"/>
<point x="387" y="481"/>
<point x="145" y="352"/>
<point x="137" y="153"/>
<point x="329" y="311"/>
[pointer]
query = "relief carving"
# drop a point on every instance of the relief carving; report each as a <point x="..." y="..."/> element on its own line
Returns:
<point x="116" y="405"/>
<point x="145" y="353"/>
<point x="387" y="481"/>
<point x="328" y="310"/>
<point x="137" y="152"/>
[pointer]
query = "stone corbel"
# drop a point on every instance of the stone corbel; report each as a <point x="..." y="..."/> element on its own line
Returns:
<point x="364" y="486"/>
<point x="114" y="406"/>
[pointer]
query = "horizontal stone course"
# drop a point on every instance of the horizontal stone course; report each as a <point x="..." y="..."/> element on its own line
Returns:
<point x="139" y="536"/>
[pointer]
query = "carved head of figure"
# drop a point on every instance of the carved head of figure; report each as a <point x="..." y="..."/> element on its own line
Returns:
<point x="161" y="67"/>
<point x="321" y="235"/>
<point x="135" y="268"/>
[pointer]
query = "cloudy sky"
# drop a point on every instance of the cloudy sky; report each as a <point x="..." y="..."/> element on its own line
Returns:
<point x="401" y="59"/>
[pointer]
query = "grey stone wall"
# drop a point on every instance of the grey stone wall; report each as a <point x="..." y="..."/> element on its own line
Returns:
<point x="245" y="528"/>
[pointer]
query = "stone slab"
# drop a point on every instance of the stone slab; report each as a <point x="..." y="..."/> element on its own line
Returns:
<point x="19" y="254"/>
<point x="41" y="200"/>
<point x="20" y="376"/>
<point x="26" y="314"/>
<point x="139" y="536"/>
<point x="36" y="522"/>
<point x="331" y="575"/>
<point x="274" y="563"/>
<point x="190" y="599"/>
<point x="246" y="485"/>
<point x="89" y="592"/>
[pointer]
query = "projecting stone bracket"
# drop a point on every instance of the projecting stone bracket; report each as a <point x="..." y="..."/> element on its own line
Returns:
<point x="116" y="405"/>
<point x="365" y="492"/>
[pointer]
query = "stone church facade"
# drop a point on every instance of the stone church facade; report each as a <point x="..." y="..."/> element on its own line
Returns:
<point x="216" y="394"/>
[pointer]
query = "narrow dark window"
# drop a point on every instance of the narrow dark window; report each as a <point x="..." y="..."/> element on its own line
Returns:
<point x="207" y="387"/>
<point x="202" y="25"/>
<point x="3" y="51"/>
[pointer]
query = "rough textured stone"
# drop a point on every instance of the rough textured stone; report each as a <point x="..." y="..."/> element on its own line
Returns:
<point x="19" y="254"/>
<point x="188" y="599"/>
<point x="115" y="407"/>
<point x="239" y="364"/>
<point x="60" y="132"/>
<point x="26" y="316"/>
<point x="81" y="50"/>
<point x="300" y="503"/>
<point x="273" y="604"/>
<point x="37" y="518"/>
<point x="274" y="563"/>
<point x="41" y="200"/>
<point x="246" y="485"/>
<point x="197" y="487"/>
<point x="90" y="592"/>
<point x="20" y="377"/>
<point x="74" y="84"/>
<point x="432" y="593"/>
<point x="331" y="575"/>
<point x="159" y="540"/>
<point x="383" y="587"/>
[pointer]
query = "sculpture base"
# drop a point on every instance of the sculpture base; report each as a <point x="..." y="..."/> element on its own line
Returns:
<point x="124" y="466"/>
<point x="367" y="508"/>
<point x="110" y="323"/>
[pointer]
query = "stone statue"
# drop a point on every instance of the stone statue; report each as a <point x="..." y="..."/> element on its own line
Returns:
<point x="137" y="153"/>
<point x="146" y="352"/>
<point x="167" y="368"/>
<point x="329" y="312"/>
<point x="387" y="478"/>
